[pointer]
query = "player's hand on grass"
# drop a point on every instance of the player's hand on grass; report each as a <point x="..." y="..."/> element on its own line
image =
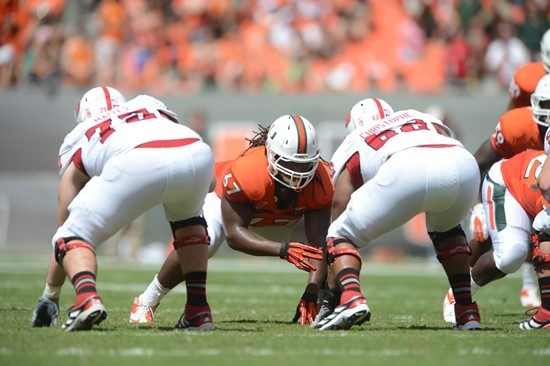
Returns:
<point x="299" y="254"/>
<point x="307" y="309"/>
<point x="45" y="313"/>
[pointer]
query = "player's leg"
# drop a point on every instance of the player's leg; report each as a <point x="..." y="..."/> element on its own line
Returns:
<point x="170" y="274"/>
<point x="191" y="174"/>
<point x="448" y="201"/>
<point x="541" y="260"/>
<point x="129" y="185"/>
<point x="380" y="205"/>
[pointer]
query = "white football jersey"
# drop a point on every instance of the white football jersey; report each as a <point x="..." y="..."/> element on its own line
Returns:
<point x="377" y="142"/>
<point x="142" y="119"/>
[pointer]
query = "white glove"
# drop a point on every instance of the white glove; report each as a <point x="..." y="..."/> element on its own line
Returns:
<point x="478" y="224"/>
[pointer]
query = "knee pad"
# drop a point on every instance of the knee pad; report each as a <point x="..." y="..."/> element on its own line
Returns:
<point x="197" y="220"/>
<point x="63" y="245"/>
<point x="333" y="252"/>
<point x="437" y="238"/>
<point x="539" y="258"/>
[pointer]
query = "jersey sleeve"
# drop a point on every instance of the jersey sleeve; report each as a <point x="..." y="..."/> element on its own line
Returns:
<point x="246" y="178"/>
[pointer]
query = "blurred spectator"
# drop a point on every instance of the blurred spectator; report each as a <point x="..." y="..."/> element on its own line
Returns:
<point x="278" y="46"/>
<point x="505" y="53"/>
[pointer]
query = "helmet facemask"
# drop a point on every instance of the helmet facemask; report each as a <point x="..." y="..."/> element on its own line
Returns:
<point x="295" y="173"/>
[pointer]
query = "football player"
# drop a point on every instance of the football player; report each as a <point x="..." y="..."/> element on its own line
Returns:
<point x="511" y="200"/>
<point x="385" y="173"/>
<point x="259" y="199"/>
<point x="526" y="77"/>
<point x="518" y="130"/>
<point x="540" y="246"/>
<point x="120" y="160"/>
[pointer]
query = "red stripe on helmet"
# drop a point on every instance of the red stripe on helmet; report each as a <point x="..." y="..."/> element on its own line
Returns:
<point x="107" y="98"/>
<point x="302" y="136"/>
<point x="380" y="108"/>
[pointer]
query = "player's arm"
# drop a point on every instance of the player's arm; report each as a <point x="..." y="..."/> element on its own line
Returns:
<point x="342" y="193"/>
<point x="316" y="226"/>
<point x="486" y="156"/>
<point x="236" y="218"/>
<point x="72" y="181"/>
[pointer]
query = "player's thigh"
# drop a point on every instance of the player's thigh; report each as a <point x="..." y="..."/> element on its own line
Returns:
<point x="509" y="228"/>
<point x="128" y="186"/>
<point x="453" y="183"/>
<point x="391" y="198"/>
<point x="190" y="171"/>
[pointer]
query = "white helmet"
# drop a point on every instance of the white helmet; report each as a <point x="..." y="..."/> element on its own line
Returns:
<point x="96" y="101"/>
<point x="545" y="50"/>
<point x="365" y="112"/>
<point x="292" y="151"/>
<point x="540" y="101"/>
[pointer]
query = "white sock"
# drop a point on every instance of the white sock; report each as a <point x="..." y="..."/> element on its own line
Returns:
<point x="529" y="276"/>
<point x="52" y="292"/>
<point x="475" y="287"/>
<point x="154" y="293"/>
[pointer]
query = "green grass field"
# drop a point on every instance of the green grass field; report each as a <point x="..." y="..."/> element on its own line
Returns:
<point x="253" y="301"/>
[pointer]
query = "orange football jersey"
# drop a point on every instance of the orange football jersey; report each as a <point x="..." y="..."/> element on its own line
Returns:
<point x="525" y="82"/>
<point x="516" y="132"/>
<point x="246" y="180"/>
<point x="520" y="175"/>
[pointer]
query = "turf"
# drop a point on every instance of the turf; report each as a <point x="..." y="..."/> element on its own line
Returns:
<point x="253" y="301"/>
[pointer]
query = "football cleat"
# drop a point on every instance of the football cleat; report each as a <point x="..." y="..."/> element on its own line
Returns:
<point x="202" y="321"/>
<point x="540" y="320"/>
<point x="45" y="313"/>
<point x="91" y="312"/>
<point x="141" y="313"/>
<point x="449" y="307"/>
<point x="529" y="297"/>
<point x="330" y="302"/>
<point x="467" y="317"/>
<point x="354" y="312"/>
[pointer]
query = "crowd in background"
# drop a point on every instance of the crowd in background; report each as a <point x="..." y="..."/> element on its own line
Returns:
<point x="279" y="46"/>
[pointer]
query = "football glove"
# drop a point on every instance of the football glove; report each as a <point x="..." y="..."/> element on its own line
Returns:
<point x="45" y="313"/>
<point x="478" y="224"/>
<point x="298" y="254"/>
<point x="307" y="309"/>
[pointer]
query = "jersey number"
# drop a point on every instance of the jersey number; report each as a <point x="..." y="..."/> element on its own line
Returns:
<point x="230" y="184"/>
<point x="105" y="129"/>
<point x="378" y="140"/>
